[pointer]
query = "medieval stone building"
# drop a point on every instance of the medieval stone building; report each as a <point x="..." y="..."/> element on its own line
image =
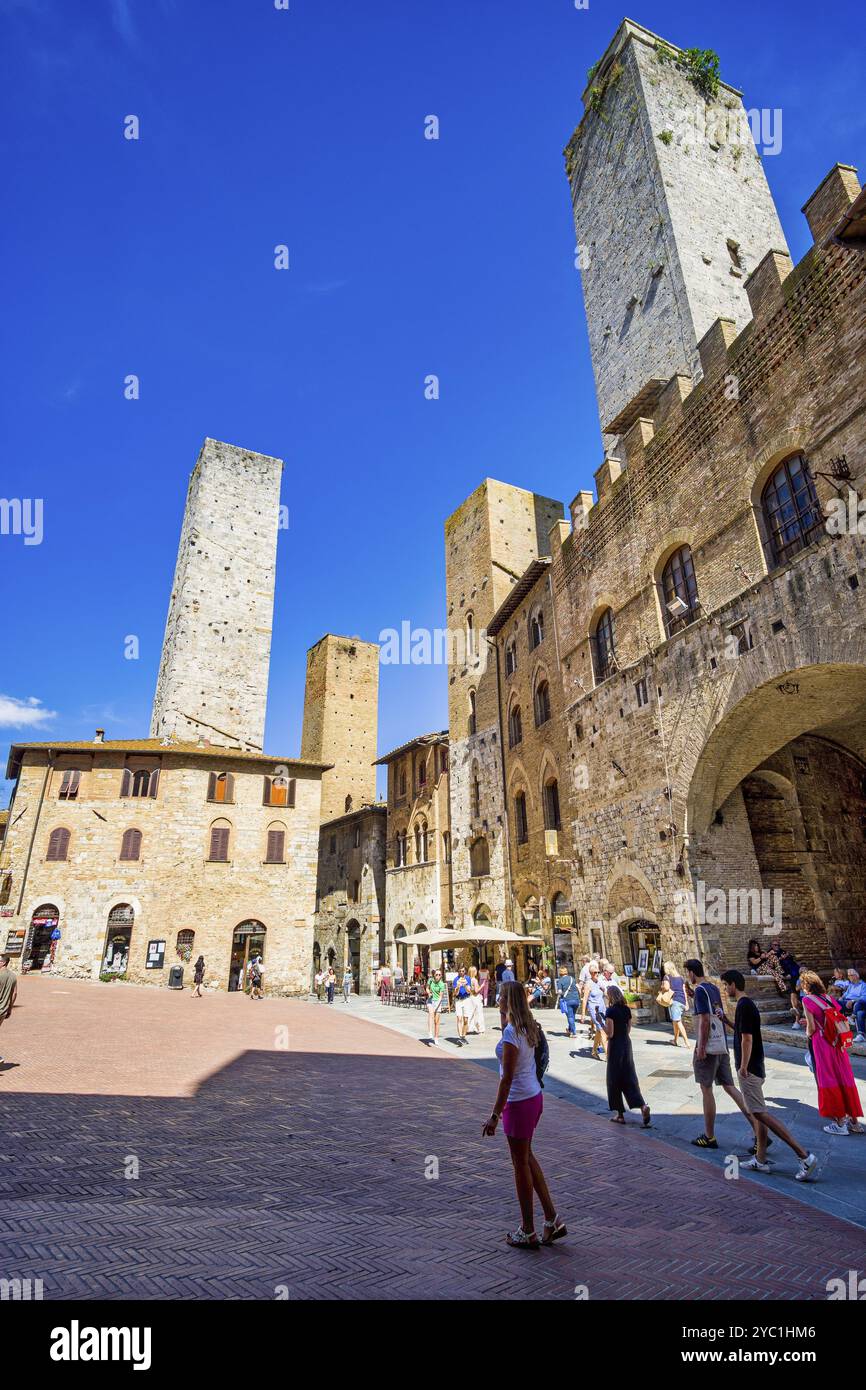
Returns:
<point x="702" y="649"/>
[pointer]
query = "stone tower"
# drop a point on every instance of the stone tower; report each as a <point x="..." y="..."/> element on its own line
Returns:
<point x="490" y="541"/>
<point x="341" y="708"/>
<point x="671" y="211"/>
<point x="213" y="676"/>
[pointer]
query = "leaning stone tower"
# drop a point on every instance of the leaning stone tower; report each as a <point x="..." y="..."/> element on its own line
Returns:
<point x="490" y="541"/>
<point x="341" y="707"/>
<point x="213" y="676"/>
<point x="672" y="211"/>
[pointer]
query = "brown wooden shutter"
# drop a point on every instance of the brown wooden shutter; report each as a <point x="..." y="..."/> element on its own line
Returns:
<point x="290" y="797"/>
<point x="58" y="844"/>
<point x="276" y="846"/>
<point x="130" y="847"/>
<point x="154" y="782"/>
<point x="266" y="794"/>
<point x="219" y="844"/>
<point x="229" y="785"/>
<point x="126" y="783"/>
<point x="211" y="787"/>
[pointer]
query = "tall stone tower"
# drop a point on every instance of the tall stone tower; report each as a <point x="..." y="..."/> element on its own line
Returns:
<point x="490" y="541"/>
<point x="213" y="676"/>
<point x="672" y="212"/>
<point x="341" y="710"/>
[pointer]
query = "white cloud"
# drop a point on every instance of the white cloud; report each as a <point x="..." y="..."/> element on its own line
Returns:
<point x="23" y="714"/>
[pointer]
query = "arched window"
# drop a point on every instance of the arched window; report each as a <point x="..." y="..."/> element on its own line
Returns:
<point x="58" y="844"/>
<point x="221" y="787"/>
<point x="542" y="703"/>
<point x="603" y="652"/>
<point x="421" y="842"/>
<point x="275" y="852"/>
<point x="348" y="803"/>
<point x="472" y="712"/>
<point x="220" y="836"/>
<point x="421" y="769"/>
<point x="479" y="858"/>
<point x="446" y="846"/>
<point x="792" y="512"/>
<point x="679" y="591"/>
<point x="185" y="943"/>
<point x="511" y="657"/>
<point x="400" y="849"/>
<point x="279" y="791"/>
<point x="470" y="636"/>
<point x="551" y="805"/>
<point x="130" y="845"/>
<point x="515" y="727"/>
<point x="144" y="781"/>
<point x="521" y="818"/>
<point x="536" y="629"/>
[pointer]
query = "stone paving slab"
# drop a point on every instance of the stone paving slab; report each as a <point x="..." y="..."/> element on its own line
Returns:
<point x="265" y="1169"/>
<point x="676" y="1101"/>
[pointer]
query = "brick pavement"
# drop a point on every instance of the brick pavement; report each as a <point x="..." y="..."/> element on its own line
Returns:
<point x="302" y="1169"/>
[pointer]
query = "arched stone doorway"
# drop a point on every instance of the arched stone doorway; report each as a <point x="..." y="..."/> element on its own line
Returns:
<point x="118" y="940"/>
<point x="248" y="941"/>
<point x="44" y="921"/>
<point x="401" y="950"/>
<point x="353" y="945"/>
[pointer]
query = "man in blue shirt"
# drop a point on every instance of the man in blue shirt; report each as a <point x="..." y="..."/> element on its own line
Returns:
<point x="462" y="989"/>
<point x="508" y="973"/>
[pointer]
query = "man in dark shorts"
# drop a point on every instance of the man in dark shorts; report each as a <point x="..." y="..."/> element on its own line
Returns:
<point x="710" y="1060"/>
<point x="749" y="1057"/>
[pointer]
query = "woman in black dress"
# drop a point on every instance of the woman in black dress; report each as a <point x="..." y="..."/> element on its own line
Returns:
<point x="623" y="1088"/>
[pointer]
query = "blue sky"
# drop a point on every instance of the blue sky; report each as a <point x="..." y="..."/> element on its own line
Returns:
<point x="408" y="257"/>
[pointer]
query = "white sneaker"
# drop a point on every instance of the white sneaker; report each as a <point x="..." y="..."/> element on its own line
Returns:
<point x="859" y="1037"/>
<point x="836" y="1128"/>
<point x="754" y="1165"/>
<point x="806" y="1169"/>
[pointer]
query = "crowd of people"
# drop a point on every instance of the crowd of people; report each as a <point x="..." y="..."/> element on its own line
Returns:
<point x="594" y="997"/>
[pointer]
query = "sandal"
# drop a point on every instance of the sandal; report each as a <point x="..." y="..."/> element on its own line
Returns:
<point x="553" y="1230"/>
<point x="647" y="1116"/>
<point x="617" y="1119"/>
<point x="523" y="1240"/>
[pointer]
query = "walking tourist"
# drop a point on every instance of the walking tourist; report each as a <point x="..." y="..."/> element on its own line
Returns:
<point x="672" y="996"/>
<point x="476" y="1020"/>
<point x="519" y="1105"/>
<point x="348" y="983"/>
<point x="838" y="1097"/>
<point x="710" y="1060"/>
<point x="198" y="978"/>
<point x="256" y="973"/>
<point x="569" y="998"/>
<point x="749" y="1060"/>
<point x="8" y="989"/>
<point x="853" y="1002"/>
<point x="623" y="1087"/>
<point x="498" y="972"/>
<point x="330" y="983"/>
<point x="319" y="983"/>
<point x="593" y="1004"/>
<point x="462" y="989"/>
<point x="435" y="1001"/>
<point x="484" y="984"/>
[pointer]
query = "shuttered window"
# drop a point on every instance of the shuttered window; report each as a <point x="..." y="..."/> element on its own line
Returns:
<point x="58" y="844"/>
<point x="276" y="847"/>
<point x="219" y="844"/>
<point x="69" y="784"/>
<point x="130" y="845"/>
<point x="221" y="787"/>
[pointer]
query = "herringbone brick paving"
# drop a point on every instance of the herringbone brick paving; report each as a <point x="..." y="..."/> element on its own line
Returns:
<point x="266" y="1170"/>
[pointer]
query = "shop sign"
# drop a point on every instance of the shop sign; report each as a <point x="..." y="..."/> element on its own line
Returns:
<point x="563" y="921"/>
<point x="15" y="942"/>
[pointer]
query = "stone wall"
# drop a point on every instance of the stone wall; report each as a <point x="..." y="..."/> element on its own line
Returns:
<point x="213" y="675"/>
<point x="173" y="886"/>
<point x="350" y="894"/>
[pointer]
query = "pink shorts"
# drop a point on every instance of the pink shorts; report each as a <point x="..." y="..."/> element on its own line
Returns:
<point x="520" y="1117"/>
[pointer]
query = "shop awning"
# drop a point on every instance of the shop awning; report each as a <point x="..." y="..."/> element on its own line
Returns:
<point x="473" y="936"/>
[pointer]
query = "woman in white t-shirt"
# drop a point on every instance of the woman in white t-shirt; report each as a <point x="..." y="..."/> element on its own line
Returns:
<point x="519" y="1105"/>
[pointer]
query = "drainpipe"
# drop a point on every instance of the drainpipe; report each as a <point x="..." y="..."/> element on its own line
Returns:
<point x="48" y="770"/>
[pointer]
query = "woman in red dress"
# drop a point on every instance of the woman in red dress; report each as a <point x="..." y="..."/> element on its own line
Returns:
<point x="838" y="1097"/>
